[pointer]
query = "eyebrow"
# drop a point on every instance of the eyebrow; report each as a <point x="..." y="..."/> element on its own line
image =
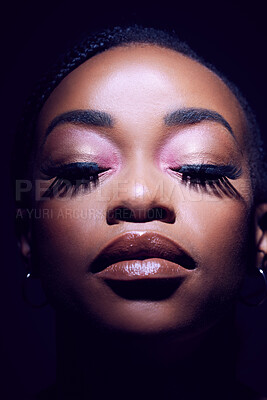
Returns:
<point x="81" y="117"/>
<point x="183" y="116"/>
<point x="189" y="116"/>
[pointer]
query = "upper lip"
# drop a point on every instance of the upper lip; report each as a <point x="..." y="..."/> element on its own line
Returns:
<point x="140" y="246"/>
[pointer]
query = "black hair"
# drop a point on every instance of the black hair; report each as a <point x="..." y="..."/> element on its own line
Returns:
<point x="100" y="42"/>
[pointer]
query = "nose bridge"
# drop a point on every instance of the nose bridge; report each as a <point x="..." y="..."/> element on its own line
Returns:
<point x="142" y="192"/>
<point x="143" y="182"/>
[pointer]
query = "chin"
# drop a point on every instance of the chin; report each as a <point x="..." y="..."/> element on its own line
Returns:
<point x="142" y="318"/>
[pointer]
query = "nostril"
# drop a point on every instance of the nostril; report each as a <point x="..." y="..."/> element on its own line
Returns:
<point x="140" y="215"/>
<point x="123" y="214"/>
<point x="161" y="214"/>
<point x="120" y="214"/>
<point x="157" y="213"/>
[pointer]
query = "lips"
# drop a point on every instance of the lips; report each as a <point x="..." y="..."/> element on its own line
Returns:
<point x="142" y="255"/>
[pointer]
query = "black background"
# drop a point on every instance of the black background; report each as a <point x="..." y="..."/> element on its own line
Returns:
<point x="230" y="35"/>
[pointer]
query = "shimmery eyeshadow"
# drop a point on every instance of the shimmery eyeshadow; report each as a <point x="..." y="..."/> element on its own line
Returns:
<point x="67" y="142"/>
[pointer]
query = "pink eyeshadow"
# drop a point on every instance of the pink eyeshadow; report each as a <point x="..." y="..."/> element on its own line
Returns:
<point x="69" y="141"/>
<point x="169" y="157"/>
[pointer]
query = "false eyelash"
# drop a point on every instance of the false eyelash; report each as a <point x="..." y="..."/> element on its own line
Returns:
<point x="209" y="171"/>
<point x="72" y="177"/>
<point x="209" y="176"/>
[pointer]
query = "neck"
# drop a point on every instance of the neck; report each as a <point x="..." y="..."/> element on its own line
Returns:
<point x="93" y="364"/>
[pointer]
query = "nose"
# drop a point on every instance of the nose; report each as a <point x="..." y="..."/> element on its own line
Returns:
<point x="142" y="198"/>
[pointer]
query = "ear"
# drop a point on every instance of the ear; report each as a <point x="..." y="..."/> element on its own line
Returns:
<point x="261" y="233"/>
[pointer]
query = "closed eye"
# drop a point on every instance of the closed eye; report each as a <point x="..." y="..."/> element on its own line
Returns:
<point x="72" y="178"/>
<point x="209" y="176"/>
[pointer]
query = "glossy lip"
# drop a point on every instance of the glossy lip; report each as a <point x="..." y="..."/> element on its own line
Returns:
<point x="142" y="255"/>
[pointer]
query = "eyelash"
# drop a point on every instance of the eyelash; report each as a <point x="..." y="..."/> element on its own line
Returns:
<point x="72" y="178"/>
<point x="75" y="176"/>
<point x="209" y="176"/>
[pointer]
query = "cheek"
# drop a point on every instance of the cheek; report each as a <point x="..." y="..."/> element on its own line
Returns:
<point x="219" y="231"/>
<point x="66" y="237"/>
<point x="225" y="227"/>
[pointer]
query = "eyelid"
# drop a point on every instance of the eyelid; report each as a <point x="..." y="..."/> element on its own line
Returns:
<point x="52" y="170"/>
<point x="81" y="140"/>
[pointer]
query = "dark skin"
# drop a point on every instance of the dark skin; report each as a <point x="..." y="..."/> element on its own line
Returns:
<point x="138" y="87"/>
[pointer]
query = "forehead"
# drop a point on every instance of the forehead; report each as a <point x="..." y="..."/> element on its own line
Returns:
<point x="141" y="83"/>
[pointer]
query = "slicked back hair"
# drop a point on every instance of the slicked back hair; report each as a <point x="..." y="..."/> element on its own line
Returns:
<point x="98" y="43"/>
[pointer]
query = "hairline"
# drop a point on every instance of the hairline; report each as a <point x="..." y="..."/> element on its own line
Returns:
<point x="196" y="59"/>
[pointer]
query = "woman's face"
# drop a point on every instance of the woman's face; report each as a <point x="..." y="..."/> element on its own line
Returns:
<point x="155" y="193"/>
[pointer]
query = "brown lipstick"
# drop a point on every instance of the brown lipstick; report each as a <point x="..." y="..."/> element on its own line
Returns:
<point x="142" y="255"/>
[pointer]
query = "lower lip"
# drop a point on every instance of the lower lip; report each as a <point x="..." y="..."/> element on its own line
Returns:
<point x="151" y="268"/>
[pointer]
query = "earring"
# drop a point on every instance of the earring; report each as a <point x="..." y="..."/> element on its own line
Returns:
<point x="32" y="291"/>
<point x="254" y="290"/>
